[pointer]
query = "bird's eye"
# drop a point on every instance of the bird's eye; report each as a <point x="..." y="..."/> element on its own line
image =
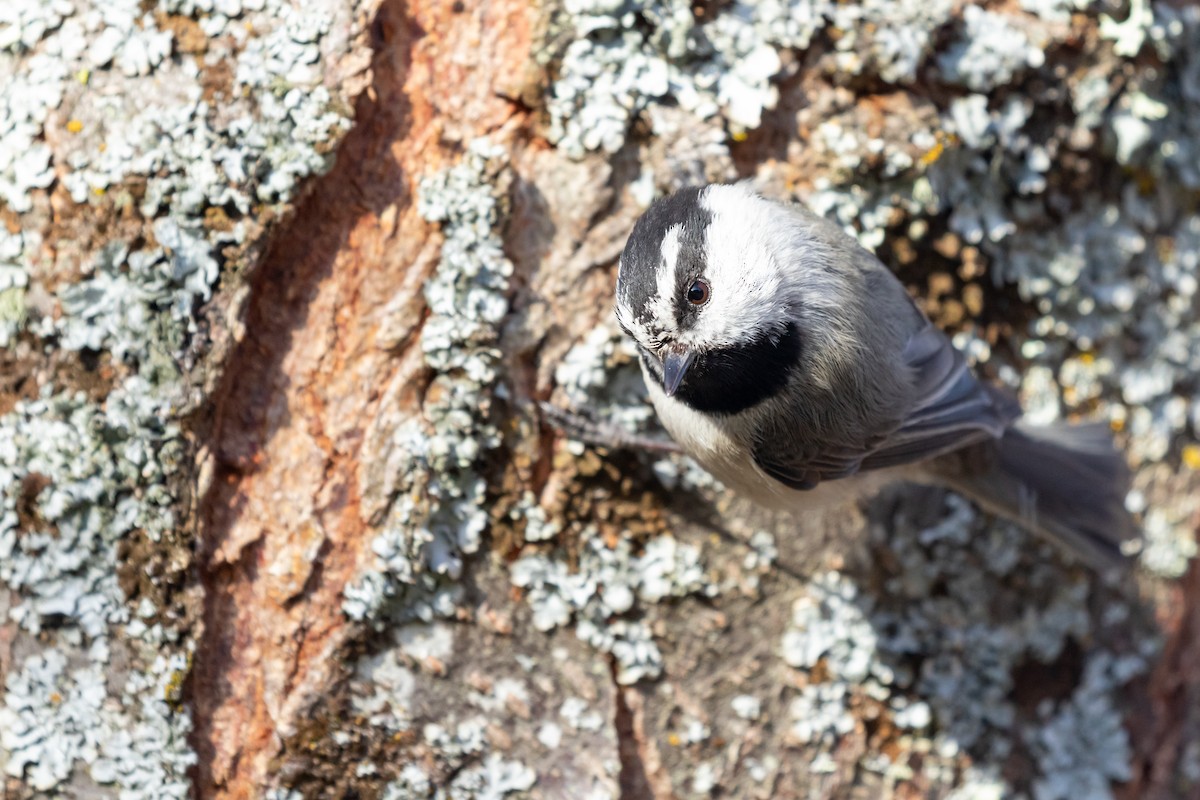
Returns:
<point x="697" y="294"/>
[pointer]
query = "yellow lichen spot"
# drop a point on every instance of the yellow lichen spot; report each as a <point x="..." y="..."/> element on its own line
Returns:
<point x="740" y="136"/>
<point x="1117" y="424"/>
<point x="74" y="126"/>
<point x="1145" y="182"/>
<point x="1191" y="456"/>
<point x="99" y="191"/>
<point x="1087" y="358"/>
<point x="55" y="698"/>
<point x="673" y="739"/>
<point x="173" y="688"/>
<point x="931" y="155"/>
<point x="83" y="76"/>
<point x="173" y="691"/>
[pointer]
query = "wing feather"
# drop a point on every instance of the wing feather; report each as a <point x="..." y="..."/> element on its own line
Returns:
<point x="953" y="409"/>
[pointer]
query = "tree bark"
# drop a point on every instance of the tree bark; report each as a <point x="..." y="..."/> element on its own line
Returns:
<point x="360" y="561"/>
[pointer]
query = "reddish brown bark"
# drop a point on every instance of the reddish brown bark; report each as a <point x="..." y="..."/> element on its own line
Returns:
<point x="1169" y="720"/>
<point x="326" y="331"/>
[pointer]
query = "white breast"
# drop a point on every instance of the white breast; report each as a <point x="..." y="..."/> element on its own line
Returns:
<point x="722" y="445"/>
<point x="716" y="446"/>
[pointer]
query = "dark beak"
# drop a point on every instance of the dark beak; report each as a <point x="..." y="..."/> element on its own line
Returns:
<point x="675" y="365"/>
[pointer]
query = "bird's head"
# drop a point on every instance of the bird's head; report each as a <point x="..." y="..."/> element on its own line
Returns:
<point x="703" y="292"/>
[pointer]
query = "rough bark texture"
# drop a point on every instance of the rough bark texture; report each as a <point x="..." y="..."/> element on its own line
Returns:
<point x="281" y="516"/>
<point x="328" y="348"/>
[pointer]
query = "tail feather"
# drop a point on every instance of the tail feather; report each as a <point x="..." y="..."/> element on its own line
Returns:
<point x="1065" y="482"/>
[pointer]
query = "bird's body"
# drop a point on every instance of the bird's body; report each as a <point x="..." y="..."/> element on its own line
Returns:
<point x="726" y="452"/>
<point x="791" y="363"/>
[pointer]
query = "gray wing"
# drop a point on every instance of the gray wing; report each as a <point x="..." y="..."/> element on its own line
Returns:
<point x="953" y="409"/>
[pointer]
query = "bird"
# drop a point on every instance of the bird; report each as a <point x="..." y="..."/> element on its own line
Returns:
<point x="792" y="364"/>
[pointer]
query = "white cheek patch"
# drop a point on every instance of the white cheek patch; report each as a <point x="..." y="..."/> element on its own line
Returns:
<point x="767" y="265"/>
<point x="747" y="294"/>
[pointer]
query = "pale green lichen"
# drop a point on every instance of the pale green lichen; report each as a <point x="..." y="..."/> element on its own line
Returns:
<point x="97" y="703"/>
<point x="632" y="57"/>
<point x="435" y="513"/>
<point x="493" y="779"/>
<point x="433" y="510"/>
<point x="475" y="774"/>
<point x="1129" y="34"/>
<point x="49" y="719"/>
<point x="192" y="157"/>
<point x="626" y="56"/>
<point x="940" y="644"/>
<point x="57" y="718"/>
<point x="1121" y="261"/>
<point x="82" y="478"/>
<point x="76" y="480"/>
<point x="606" y="586"/>
<point x="1082" y="746"/>
<point x="890" y="38"/>
<point x="1110" y="272"/>
<point x="992" y="51"/>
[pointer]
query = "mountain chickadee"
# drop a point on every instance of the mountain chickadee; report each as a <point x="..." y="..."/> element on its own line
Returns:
<point x="792" y="365"/>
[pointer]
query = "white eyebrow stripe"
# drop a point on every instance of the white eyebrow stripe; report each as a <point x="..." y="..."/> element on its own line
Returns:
<point x="662" y="306"/>
<point x="670" y="254"/>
